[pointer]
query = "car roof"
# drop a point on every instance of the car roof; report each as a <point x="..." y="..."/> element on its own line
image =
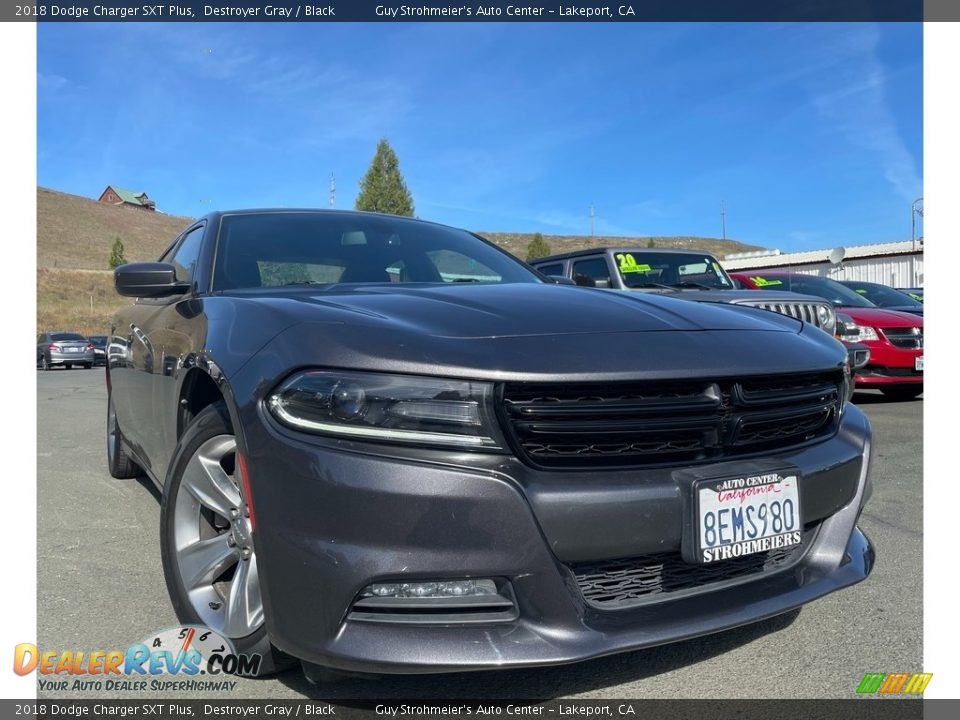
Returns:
<point x="217" y="214"/>
<point x="629" y="249"/>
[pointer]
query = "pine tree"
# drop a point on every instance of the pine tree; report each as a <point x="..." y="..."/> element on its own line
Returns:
<point x="651" y="243"/>
<point x="382" y="188"/>
<point x="116" y="254"/>
<point x="537" y="248"/>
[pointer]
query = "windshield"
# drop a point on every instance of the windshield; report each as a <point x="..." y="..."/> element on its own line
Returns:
<point x="882" y="295"/>
<point x="325" y="248"/>
<point x="67" y="337"/>
<point x="648" y="269"/>
<point x="829" y="290"/>
<point x="98" y="340"/>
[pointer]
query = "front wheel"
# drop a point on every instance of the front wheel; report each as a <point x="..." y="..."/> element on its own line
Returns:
<point x="206" y="540"/>
<point x="909" y="392"/>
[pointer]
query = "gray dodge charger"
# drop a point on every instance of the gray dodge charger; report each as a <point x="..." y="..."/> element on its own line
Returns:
<point x="386" y="445"/>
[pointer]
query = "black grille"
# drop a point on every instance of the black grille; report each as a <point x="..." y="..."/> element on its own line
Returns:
<point x="801" y="311"/>
<point x="617" y="584"/>
<point x="910" y="338"/>
<point x="646" y="423"/>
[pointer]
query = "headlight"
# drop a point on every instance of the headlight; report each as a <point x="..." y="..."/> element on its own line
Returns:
<point x="867" y="333"/>
<point x="827" y="318"/>
<point x="391" y="408"/>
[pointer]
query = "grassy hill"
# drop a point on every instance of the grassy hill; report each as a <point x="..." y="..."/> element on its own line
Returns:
<point x="75" y="234"/>
<point x="517" y="243"/>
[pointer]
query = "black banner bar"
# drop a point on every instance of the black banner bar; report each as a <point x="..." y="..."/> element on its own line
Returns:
<point x="873" y="708"/>
<point x="484" y="11"/>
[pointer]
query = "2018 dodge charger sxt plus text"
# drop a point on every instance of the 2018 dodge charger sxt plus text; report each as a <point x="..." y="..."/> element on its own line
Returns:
<point x="386" y="445"/>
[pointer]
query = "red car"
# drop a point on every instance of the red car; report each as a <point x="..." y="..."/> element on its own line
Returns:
<point x="895" y="338"/>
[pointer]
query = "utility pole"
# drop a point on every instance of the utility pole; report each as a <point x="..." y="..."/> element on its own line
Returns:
<point x="592" y="214"/>
<point x="333" y="190"/>
<point x="914" y="211"/>
<point x="723" y="219"/>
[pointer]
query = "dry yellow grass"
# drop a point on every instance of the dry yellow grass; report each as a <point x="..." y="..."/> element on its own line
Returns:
<point x="517" y="243"/>
<point x="82" y="301"/>
<point x="77" y="232"/>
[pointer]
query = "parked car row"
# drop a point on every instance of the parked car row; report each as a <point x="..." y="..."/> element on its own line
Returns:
<point x="387" y="445"/>
<point x="70" y="349"/>
<point x="880" y="326"/>
<point x="895" y="338"/>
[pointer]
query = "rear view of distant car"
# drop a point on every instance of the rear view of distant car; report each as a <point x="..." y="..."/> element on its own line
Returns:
<point x="64" y="349"/>
<point x="99" y="343"/>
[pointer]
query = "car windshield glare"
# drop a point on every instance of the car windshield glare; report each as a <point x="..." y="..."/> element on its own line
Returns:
<point x="329" y="248"/>
<point x="67" y="337"/>
<point x="640" y="269"/>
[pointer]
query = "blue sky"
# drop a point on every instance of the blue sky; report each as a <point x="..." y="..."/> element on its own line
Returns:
<point x="810" y="134"/>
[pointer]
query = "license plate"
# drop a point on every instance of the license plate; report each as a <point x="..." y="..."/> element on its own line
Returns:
<point x="73" y="349"/>
<point x="918" y="363"/>
<point x="745" y="515"/>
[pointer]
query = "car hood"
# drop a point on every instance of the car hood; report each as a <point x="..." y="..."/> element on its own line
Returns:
<point x="505" y="332"/>
<point x="882" y="317"/>
<point x="512" y="310"/>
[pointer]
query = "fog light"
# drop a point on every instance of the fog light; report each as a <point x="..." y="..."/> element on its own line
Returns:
<point x="440" y="589"/>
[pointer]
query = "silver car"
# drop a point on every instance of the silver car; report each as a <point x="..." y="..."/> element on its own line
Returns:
<point x="64" y="348"/>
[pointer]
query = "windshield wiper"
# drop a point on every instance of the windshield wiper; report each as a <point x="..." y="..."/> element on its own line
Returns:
<point x="662" y="286"/>
<point x="691" y="284"/>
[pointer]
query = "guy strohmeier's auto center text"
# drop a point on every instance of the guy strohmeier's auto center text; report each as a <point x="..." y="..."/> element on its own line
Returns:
<point x="121" y="11"/>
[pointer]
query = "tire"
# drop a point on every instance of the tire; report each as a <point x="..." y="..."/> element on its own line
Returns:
<point x="120" y="465"/>
<point x="45" y="364"/>
<point x="202" y="583"/>
<point x="87" y="366"/>
<point x="909" y="392"/>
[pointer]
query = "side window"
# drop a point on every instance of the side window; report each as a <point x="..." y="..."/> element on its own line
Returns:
<point x="592" y="273"/>
<point x="556" y="269"/>
<point x="185" y="257"/>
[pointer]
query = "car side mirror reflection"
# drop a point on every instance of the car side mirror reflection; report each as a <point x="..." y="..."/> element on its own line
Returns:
<point x="148" y="279"/>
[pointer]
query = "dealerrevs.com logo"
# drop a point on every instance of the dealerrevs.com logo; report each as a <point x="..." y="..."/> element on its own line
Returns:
<point x="184" y="652"/>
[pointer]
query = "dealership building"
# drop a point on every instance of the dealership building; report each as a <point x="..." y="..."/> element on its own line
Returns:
<point x="898" y="264"/>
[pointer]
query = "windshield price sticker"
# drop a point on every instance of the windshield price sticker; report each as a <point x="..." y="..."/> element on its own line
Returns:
<point x="742" y="516"/>
<point x="628" y="264"/>
<point x="764" y="282"/>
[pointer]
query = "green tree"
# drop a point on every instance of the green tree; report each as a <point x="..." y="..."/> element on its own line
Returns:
<point x="382" y="189"/>
<point x="651" y="243"/>
<point x="116" y="254"/>
<point x="537" y="248"/>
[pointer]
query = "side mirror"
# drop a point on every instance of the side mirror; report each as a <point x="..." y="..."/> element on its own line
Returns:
<point x="148" y="279"/>
<point x="560" y="280"/>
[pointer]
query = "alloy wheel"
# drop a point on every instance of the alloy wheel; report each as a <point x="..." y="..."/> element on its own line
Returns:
<point x="213" y="543"/>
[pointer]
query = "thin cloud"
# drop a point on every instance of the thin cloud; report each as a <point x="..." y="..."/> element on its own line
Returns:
<point x="858" y="107"/>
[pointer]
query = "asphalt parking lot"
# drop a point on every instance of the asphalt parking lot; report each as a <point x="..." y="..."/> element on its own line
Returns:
<point x="100" y="585"/>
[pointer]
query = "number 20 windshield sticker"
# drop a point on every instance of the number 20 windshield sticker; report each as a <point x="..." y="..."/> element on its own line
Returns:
<point x="628" y="264"/>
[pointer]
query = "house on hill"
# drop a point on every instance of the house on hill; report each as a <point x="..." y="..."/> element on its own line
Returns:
<point x="114" y="195"/>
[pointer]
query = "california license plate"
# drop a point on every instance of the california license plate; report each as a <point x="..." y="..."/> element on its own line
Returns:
<point x="745" y="515"/>
<point x="918" y="363"/>
<point x="73" y="349"/>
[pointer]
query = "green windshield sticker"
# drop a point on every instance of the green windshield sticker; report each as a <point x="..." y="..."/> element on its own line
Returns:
<point x="861" y="291"/>
<point x="628" y="264"/>
<point x="764" y="282"/>
<point x="918" y="298"/>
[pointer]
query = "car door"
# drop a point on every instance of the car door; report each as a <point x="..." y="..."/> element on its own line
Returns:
<point x="159" y="335"/>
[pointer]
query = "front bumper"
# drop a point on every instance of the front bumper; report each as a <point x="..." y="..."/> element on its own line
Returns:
<point x="332" y="517"/>
<point x="889" y="365"/>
